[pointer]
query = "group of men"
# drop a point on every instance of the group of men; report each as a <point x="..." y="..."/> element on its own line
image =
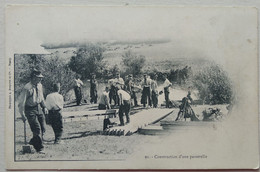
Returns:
<point x="34" y="108"/>
<point x="123" y="92"/>
<point x="148" y="87"/>
<point x="93" y="89"/>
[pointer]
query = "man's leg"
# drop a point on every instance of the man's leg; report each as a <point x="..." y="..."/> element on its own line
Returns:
<point x="156" y="100"/>
<point x="145" y="95"/>
<point x="36" y="141"/>
<point x="167" y="99"/>
<point x="96" y="96"/>
<point x="76" y="94"/>
<point x="135" y="98"/>
<point x="121" y="114"/>
<point x="41" y="119"/>
<point x="58" y="127"/>
<point x="127" y="107"/>
<point x="153" y="99"/>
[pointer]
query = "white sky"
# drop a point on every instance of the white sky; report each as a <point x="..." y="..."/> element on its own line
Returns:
<point x="216" y="33"/>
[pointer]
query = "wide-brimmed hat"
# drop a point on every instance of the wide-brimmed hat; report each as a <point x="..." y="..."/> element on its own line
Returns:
<point x="36" y="73"/>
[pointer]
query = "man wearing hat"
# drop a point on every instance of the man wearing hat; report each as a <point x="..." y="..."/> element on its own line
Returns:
<point x="166" y="85"/>
<point x="124" y="105"/>
<point x="118" y="82"/>
<point x="146" y="93"/>
<point x="130" y="88"/>
<point x="77" y="89"/>
<point x="30" y="101"/>
<point x="93" y="89"/>
<point x="154" y="88"/>
<point x="55" y="103"/>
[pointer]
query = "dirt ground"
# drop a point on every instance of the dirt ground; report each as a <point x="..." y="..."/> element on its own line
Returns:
<point x="82" y="140"/>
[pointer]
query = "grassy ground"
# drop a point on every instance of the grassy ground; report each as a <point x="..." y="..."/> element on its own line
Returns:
<point x="82" y="140"/>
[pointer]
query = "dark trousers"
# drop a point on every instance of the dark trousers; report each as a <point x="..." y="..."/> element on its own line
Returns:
<point x="78" y="94"/>
<point x="146" y="95"/>
<point x="113" y="95"/>
<point x="167" y="100"/>
<point x="133" y="96"/>
<point x="102" y="107"/>
<point x="154" y="99"/>
<point x="37" y="125"/>
<point x="93" y="95"/>
<point x="56" y="123"/>
<point x="124" y="109"/>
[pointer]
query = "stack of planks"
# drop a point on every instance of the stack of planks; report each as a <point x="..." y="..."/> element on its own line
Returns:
<point x="139" y="120"/>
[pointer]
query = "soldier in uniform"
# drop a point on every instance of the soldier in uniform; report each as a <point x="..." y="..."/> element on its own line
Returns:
<point x="30" y="102"/>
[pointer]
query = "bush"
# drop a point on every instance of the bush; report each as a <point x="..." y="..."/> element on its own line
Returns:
<point x="88" y="59"/>
<point x="133" y="62"/>
<point x="213" y="84"/>
<point x="53" y="68"/>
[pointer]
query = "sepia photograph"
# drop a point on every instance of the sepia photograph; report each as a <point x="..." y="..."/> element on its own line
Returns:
<point x="131" y="87"/>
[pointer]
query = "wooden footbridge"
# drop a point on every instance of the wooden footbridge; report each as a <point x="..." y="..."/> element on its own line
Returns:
<point x="139" y="120"/>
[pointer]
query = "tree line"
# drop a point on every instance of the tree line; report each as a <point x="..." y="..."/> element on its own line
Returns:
<point x="212" y="82"/>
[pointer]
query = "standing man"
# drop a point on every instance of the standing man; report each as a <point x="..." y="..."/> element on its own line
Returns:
<point x="54" y="103"/>
<point x="93" y="89"/>
<point x="77" y="89"/>
<point x="124" y="108"/>
<point x="166" y="86"/>
<point x="104" y="100"/>
<point x="118" y="82"/>
<point x="30" y="99"/>
<point x="146" y="94"/>
<point x="130" y="89"/>
<point x="154" y="87"/>
<point x="112" y="92"/>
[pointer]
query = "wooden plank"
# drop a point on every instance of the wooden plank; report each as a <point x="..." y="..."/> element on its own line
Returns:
<point x="151" y="130"/>
<point x="185" y="125"/>
<point x="140" y="120"/>
<point x="87" y="113"/>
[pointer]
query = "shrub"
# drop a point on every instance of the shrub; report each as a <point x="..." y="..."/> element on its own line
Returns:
<point x="88" y="59"/>
<point x="213" y="84"/>
<point x="133" y="62"/>
<point x="52" y="67"/>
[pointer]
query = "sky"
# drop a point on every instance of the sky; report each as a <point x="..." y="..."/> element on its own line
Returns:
<point x="220" y="34"/>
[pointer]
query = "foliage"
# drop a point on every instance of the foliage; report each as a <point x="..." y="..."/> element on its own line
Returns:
<point x="88" y="59"/>
<point x="133" y="62"/>
<point x="52" y="67"/>
<point x="213" y="85"/>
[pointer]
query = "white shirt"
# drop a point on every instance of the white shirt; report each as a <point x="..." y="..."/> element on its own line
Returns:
<point x="146" y="83"/>
<point x="166" y="83"/>
<point x="104" y="98"/>
<point x="124" y="95"/>
<point x="78" y="83"/>
<point x="118" y="82"/>
<point x="54" y="101"/>
<point x="31" y="95"/>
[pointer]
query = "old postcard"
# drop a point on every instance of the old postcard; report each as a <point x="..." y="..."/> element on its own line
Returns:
<point x="131" y="87"/>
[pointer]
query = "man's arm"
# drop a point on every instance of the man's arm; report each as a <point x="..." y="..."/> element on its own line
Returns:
<point x="45" y="110"/>
<point x="21" y="104"/>
<point x="107" y="102"/>
<point x="120" y="99"/>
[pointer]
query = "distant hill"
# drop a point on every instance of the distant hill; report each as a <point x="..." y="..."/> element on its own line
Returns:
<point x="163" y="55"/>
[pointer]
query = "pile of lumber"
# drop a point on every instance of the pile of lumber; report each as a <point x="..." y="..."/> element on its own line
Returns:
<point x="139" y="120"/>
